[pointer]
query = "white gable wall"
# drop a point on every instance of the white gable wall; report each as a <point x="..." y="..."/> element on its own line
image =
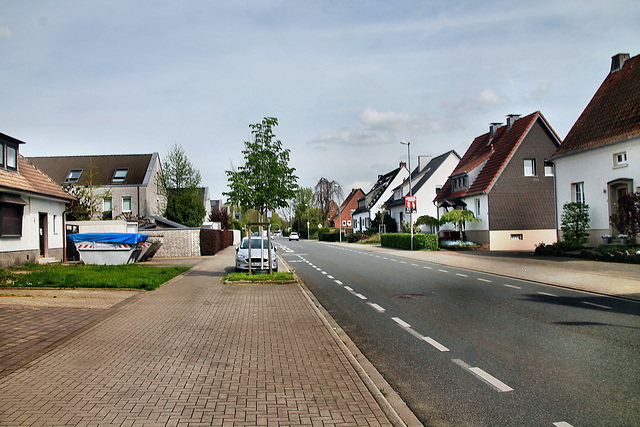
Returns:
<point x="596" y="169"/>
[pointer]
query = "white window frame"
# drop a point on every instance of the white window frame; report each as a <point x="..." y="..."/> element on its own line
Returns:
<point x="70" y="176"/>
<point x="130" y="203"/>
<point x="477" y="206"/>
<point x="620" y="159"/>
<point x="577" y="192"/>
<point x="548" y="169"/>
<point x="119" y="175"/>
<point x="529" y="167"/>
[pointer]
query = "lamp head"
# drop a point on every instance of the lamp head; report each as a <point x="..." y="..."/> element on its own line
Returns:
<point x="405" y="142"/>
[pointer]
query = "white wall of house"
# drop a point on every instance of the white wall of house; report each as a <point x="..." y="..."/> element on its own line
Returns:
<point x="597" y="169"/>
<point x="30" y="240"/>
<point x="479" y="205"/>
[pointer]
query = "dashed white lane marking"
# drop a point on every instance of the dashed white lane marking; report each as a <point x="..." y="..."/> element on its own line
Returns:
<point x="435" y="343"/>
<point x="414" y="265"/>
<point x="428" y="268"/>
<point x="442" y="271"/>
<point x="461" y="275"/>
<point x="349" y="288"/>
<point x="401" y="322"/>
<point x="513" y="286"/>
<point x="547" y="294"/>
<point x="338" y="282"/>
<point x="376" y="307"/>
<point x="403" y="262"/>
<point x="484" y="376"/>
<point x="484" y="280"/>
<point x="606" y="307"/>
<point x="318" y="268"/>
<point x="361" y="296"/>
<point x="562" y="424"/>
<point x="330" y="276"/>
<point x="324" y="272"/>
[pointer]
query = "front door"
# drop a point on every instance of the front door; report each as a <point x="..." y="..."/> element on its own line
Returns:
<point x="43" y="234"/>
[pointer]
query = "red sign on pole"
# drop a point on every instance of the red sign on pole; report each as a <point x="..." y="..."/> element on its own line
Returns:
<point x="410" y="204"/>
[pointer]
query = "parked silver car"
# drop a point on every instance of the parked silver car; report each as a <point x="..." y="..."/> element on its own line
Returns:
<point x="294" y="236"/>
<point x="242" y="255"/>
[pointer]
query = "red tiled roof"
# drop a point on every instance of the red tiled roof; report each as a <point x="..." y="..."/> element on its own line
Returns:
<point x="613" y="114"/>
<point x="496" y="154"/>
<point x="31" y="180"/>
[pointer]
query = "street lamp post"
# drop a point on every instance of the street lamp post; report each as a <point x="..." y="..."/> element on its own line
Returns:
<point x="308" y="221"/>
<point x="408" y="144"/>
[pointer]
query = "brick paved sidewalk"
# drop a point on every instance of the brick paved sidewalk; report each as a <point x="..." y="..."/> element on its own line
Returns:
<point x="199" y="353"/>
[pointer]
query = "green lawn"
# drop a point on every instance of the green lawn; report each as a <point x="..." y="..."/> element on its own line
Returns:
<point x="246" y="277"/>
<point x="130" y="276"/>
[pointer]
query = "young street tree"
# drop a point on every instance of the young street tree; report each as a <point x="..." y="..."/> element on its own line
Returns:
<point x="324" y="193"/>
<point x="265" y="180"/>
<point x="178" y="182"/>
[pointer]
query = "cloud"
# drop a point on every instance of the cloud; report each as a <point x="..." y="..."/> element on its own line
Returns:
<point x="485" y="100"/>
<point x="538" y="93"/>
<point x="5" y="31"/>
<point x="366" y="137"/>
<point x="388" y="119"/>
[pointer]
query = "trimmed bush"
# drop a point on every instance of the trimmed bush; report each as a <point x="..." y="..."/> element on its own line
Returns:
<point x="213" y="241"/>
<point x="427" y="242"/>
<point x="330" y="235"/>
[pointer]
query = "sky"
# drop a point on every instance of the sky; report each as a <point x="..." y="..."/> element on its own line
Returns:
<point x="347" y="80"/>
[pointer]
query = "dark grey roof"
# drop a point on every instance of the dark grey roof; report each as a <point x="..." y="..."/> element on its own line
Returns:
<point x="99" y="168"/>
<point x="376" y="191"/>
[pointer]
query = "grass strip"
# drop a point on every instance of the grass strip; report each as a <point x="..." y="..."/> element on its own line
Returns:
<point x="129" y="276"/>
<point x="281" y="277"/>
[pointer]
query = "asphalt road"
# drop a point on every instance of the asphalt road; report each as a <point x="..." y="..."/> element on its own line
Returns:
<point x="467" y="348"/>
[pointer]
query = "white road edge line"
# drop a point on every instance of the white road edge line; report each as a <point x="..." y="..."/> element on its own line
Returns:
<point x="401" y="322"/>
<point x="376" y="307"/>
<point x="484" y="376"/>
<point x="435" y="343"/>
<point x="597" y="305"/>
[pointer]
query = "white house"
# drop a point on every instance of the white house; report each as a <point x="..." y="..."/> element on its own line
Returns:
<point x="426" y="181"/>
<point x="599" y="160"/>
<point x="371" y="203"/>
<point x="32" y="210"/>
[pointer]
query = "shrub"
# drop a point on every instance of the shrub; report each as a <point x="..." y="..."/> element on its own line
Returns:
<point x="403" y="241"/>
<point x="575" y="222"/>
<point x="213" y="241"/>
<point x="330" y="235"/>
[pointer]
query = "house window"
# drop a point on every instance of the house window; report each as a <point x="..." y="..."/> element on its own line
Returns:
<point x="11" y="220"/>
<point x="2" y="154"/>
<point x="344" y="223"/>
<point x="55" y="224"/>
<point x="438" y="188"/>
<point x="119" y="175"/>
<point x="517" y="237"/>
<point x="74" y="175"/>
<point x="126" y="204"/>
<point x="529" y="167"/>
<point x="349" y="223"/>
<point x="477" y="203"/>
<point x="548" y="168"/>
<point x="460" y="182"/>
<point x="620" y="160"/>
<point x="578" y="192"/>
<point x="12" y="157"/>
<point x="107" y="208"/>
<point x="397" y="195"/>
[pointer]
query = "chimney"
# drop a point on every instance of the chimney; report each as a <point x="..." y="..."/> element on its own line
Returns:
<point x="493" y="127"/>
<point x="423" y="161"/>
<point x="403" y="164"/>
<point x="617" y="61"/>
<point x="511" y="118"/>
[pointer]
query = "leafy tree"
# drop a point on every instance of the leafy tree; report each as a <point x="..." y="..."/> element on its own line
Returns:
<point x="178" y="181"/>
<point x="458" y="217"/>
<point x="324" y="193"/>
<point x="575" y="222"/>
<point x="221" y="216"/>
<point x="265" y="180"/>
<point x="627" y="219"/>
<point x="427" y="220"/>
<point x="90" y="196"/>
<point x="384" y="218"/>
<point x="185" y="209"/>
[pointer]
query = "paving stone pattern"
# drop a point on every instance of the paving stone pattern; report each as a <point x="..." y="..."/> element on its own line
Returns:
<point x="196" y="352"/>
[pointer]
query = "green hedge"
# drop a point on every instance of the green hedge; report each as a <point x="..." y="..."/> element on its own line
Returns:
<point x="427" y="242"/>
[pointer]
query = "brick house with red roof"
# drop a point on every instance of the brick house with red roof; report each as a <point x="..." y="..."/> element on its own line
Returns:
<point x="506" y="180"/>
<point x="599" y="160"/>
<point x="346" y="210"/>
<point x="31" y="209"/>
